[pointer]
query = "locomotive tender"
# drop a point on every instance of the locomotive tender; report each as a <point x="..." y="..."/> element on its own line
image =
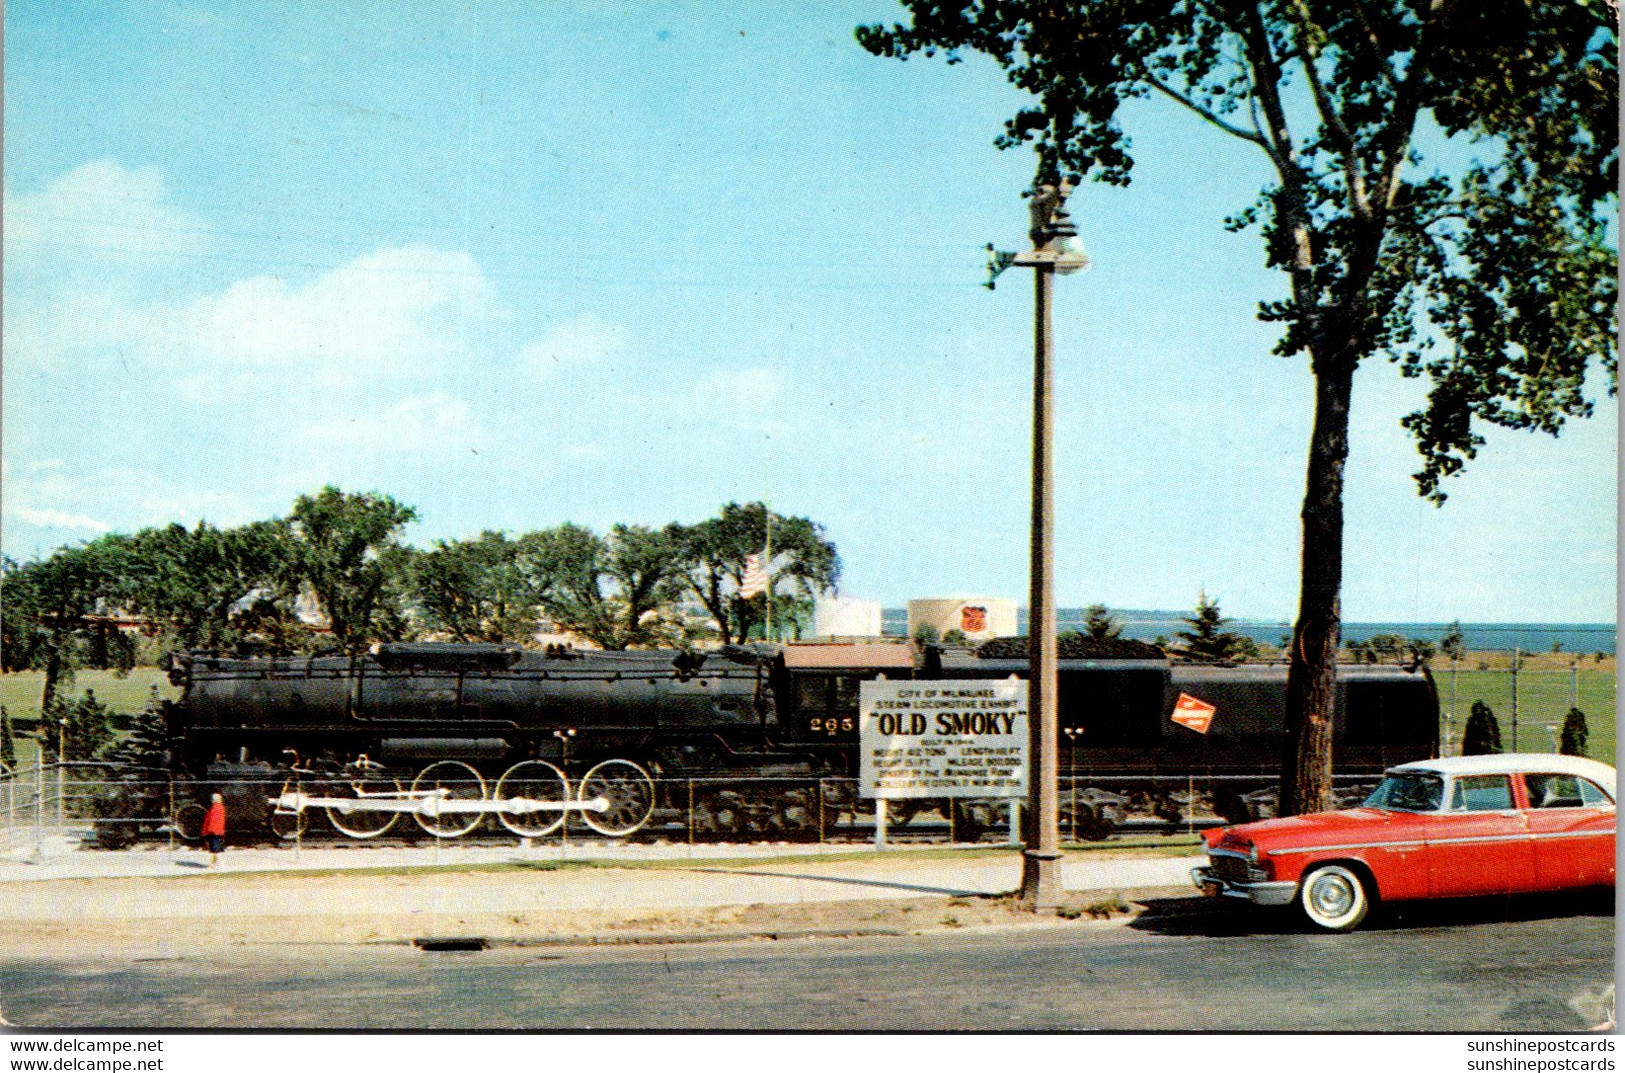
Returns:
<point x="742" y="741"/>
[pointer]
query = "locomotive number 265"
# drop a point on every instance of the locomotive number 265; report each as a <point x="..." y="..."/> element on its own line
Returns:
<point x="832" y="725"/>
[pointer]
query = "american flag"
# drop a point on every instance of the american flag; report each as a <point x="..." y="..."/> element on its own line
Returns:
<point x="754" y="583"/>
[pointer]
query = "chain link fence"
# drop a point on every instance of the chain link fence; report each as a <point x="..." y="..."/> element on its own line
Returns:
<point x="1529" y="705"/>
<point x="53" y="808"/>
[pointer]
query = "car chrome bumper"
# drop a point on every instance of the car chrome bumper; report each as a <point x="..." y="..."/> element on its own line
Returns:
<point x="1262" y="893"/>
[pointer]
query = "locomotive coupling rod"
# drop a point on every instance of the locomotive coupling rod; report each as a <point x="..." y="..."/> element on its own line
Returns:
<point x="443" y="806"/>
<point x="429" y="803"/>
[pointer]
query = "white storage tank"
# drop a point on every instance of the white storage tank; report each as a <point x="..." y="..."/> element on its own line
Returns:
<point x="846" y="616"/>
<point x="977" y="617"/>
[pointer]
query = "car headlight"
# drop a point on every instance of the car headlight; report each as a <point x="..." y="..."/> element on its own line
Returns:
<point x="1252" y="854"/>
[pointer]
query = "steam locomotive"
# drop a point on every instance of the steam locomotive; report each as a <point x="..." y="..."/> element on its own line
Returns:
<point x="758" y="740"/>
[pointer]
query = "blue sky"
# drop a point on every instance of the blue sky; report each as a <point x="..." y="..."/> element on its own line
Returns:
<point x="521" y="264"/>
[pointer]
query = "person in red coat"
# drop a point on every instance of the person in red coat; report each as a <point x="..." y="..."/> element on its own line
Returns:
<point x="214" y="828"/>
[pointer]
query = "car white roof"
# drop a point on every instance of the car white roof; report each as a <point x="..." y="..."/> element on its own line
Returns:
<point x="1496" y="763"/>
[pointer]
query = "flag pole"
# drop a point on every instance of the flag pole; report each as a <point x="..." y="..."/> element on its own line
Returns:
<point x="767" y="567"/>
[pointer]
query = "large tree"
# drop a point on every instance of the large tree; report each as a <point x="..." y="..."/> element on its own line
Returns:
<point x="347" y="547"/>
<point x="717" y="552"/>
<point x="1490" y="274"/>
<point x="53" y="611"/>
<point x="485" y="589"/>
<point x="208" y="587"/>
<point x="616" y="591"/>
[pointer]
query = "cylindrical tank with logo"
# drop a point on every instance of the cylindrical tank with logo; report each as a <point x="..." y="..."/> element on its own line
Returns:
<point x="973" y="619"/>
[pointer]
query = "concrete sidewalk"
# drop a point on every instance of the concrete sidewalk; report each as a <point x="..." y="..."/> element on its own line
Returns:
<point x="682" y="877"/>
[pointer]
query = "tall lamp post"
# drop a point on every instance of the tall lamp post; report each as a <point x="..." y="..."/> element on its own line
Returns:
<point x="1056" y="250"/>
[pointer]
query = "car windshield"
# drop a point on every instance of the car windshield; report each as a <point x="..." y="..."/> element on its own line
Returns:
<point x="1411" y="792"/>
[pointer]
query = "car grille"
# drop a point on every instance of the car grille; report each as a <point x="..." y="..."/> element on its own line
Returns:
<point x="1234" y="869"/>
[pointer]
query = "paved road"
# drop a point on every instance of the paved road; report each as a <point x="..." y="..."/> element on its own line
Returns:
<point x="1538" y="965"/>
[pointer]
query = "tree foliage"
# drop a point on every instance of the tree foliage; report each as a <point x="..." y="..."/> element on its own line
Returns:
<point x="208" y="588"/>
<point x="1575" y="733"/>
<point x="8" y="740"/>
<point x="52" y="611"/>
<point x="1207" y="638"/>
<point x="1492" y="279"/>
<point x="616" y="591"/>
<point x="487" y="589"/>
<point x="1100" y="624"/>
<point x="714" y="553"/>
<point x="346" y="546"/>
<point x="1454" y="643"/>
<point x="76" y="728"/>
<point x="1482" y="734"/>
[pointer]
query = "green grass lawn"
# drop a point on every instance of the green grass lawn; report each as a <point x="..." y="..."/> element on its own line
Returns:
<point x="1544" y="698"/>
<point x="19" y="692"/>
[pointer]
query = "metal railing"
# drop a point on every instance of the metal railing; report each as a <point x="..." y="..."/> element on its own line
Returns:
<point x="59" y="807"/>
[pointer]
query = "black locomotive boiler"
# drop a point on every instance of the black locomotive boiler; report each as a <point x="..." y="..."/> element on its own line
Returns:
<point x="742" y="741"/>
<point x="451" y="734"/>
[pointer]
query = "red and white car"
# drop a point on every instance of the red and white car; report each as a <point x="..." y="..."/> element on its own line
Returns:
<point x="1450" y="828"/>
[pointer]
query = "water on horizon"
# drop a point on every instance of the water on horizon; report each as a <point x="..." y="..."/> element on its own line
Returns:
<point x="1580" y="637"/>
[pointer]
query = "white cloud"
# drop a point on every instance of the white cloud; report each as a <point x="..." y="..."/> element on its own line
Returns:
<point x="583" y="341"/>
<point x="56" y="519"/>
<point x="63" y="502"/>
<point x="420" y="423"/>
<point x="394" y="310"/>
<point x="395" y="307"/>
<point x="97" y="213"/>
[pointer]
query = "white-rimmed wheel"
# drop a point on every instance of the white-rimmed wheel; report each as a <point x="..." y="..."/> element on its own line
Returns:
<point x="1334" y="898"/>
<point x="363" y="784"/>
<point x="442" y="784"/>
<point x="188" y="821"/>
<point x="288" y="817"/>
<point x="628" y="794"/>
<point x="533" y="782"/>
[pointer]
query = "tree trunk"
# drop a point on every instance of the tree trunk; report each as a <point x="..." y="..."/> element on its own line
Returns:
<point x="53" y="676"/>
<point x="1306" y="769"/>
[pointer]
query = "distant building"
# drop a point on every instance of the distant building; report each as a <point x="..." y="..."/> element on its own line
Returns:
<point x="977" y="617"/>
<point x="846" y="616"/>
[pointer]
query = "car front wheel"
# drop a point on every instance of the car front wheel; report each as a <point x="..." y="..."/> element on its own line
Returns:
<point x="1334" y="898"/>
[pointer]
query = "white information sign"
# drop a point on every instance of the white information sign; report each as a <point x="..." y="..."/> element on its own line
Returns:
<point x="954" y="738"/>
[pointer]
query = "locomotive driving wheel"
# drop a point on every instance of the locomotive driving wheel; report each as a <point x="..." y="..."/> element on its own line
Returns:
<point x="628" y="793"/>
<point x="533" y="782"/>
<point x="361" y="782"/>
<point x="443" y="783"/>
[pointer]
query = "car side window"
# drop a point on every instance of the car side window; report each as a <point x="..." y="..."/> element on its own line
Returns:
<point x="1592" y="794"/>
<point x="1553" y="791"/>
<point x="1481" y="793"/>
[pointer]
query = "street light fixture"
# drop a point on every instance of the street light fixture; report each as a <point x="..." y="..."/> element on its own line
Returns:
<point x="1056" y="251"/>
